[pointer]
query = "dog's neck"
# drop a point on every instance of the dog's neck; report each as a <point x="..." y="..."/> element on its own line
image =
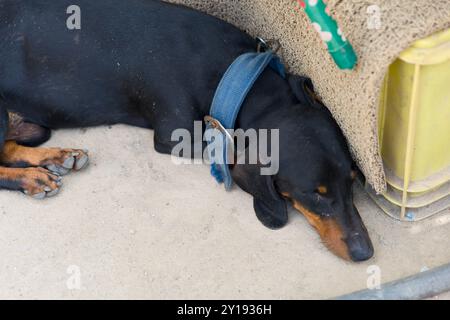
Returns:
<point x="271" y="95"/>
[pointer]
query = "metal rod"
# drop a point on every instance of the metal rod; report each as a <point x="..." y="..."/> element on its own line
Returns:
<point x="410" y="139"/>
<point x="420" y="286"/>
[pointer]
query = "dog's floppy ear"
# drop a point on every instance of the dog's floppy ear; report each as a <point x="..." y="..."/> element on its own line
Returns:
<point x="270" y="208"/>
<point x="303" y="89"/>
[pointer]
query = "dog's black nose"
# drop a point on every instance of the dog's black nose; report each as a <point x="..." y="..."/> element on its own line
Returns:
<point x="360" y="247"/>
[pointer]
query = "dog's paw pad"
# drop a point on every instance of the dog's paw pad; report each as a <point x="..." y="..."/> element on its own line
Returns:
<point x="40" y="183"/>
<point x="59" y="169"/>
<point x="66" y="160"/>
<point x="81" y="160"/>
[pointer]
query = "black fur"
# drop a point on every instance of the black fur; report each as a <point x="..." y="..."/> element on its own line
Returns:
<point x="155" y="65"/>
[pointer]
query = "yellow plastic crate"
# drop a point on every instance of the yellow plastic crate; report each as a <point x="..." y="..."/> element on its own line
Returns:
<point x="414" y="130"/>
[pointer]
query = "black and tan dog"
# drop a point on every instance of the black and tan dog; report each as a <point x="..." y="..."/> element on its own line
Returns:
<point x="150" y="64"/>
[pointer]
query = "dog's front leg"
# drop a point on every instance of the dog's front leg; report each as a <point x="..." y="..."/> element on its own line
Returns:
<point x="34" y="171"/>
<point x="57" y="160"/>
<point x="35" y="182"/>
<point x="37" y="171"/>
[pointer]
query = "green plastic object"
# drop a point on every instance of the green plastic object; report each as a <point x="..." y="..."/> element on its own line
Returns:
<point x="340" y="49"/>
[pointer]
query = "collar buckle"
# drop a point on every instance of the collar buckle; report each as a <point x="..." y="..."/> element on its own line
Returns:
<point x="215" y="124"/>
<point x="265" y="45"/>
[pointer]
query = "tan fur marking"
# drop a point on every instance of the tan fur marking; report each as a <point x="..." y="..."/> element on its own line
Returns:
<point x="31" y="180"/>
<point x="13" y="153"/>
<point x="322" y="189"/>
<point x="329" y="230"/>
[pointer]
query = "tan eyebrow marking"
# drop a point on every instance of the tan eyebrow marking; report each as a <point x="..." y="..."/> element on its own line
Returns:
<point x="322" y="189"/>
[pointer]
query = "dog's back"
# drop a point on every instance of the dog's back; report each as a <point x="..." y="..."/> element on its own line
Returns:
<point x="114" y="64"/>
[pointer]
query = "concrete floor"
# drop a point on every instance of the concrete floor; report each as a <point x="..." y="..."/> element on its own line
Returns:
<point x="134" y="225"/>
<point x="444" y="296"/>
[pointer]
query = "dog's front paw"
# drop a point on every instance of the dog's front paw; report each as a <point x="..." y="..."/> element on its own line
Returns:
<point x="62" y="161"/>
<point x="58" y="160"/>
<point x="38" y="183"/>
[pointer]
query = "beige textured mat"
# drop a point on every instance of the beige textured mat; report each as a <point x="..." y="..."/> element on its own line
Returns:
<point x="351" y="96"/>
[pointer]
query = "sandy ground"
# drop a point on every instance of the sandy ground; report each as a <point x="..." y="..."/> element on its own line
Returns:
<point x="134" y="225"/>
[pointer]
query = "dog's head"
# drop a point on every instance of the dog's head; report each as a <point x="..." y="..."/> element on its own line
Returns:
<point x="316" y="174"/>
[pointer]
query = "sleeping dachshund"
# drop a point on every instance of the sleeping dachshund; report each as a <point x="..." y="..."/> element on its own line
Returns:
<point x="155" y="65"/>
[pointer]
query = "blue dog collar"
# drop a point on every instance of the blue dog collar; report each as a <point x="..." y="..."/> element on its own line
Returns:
<point x="229" y="97"/>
